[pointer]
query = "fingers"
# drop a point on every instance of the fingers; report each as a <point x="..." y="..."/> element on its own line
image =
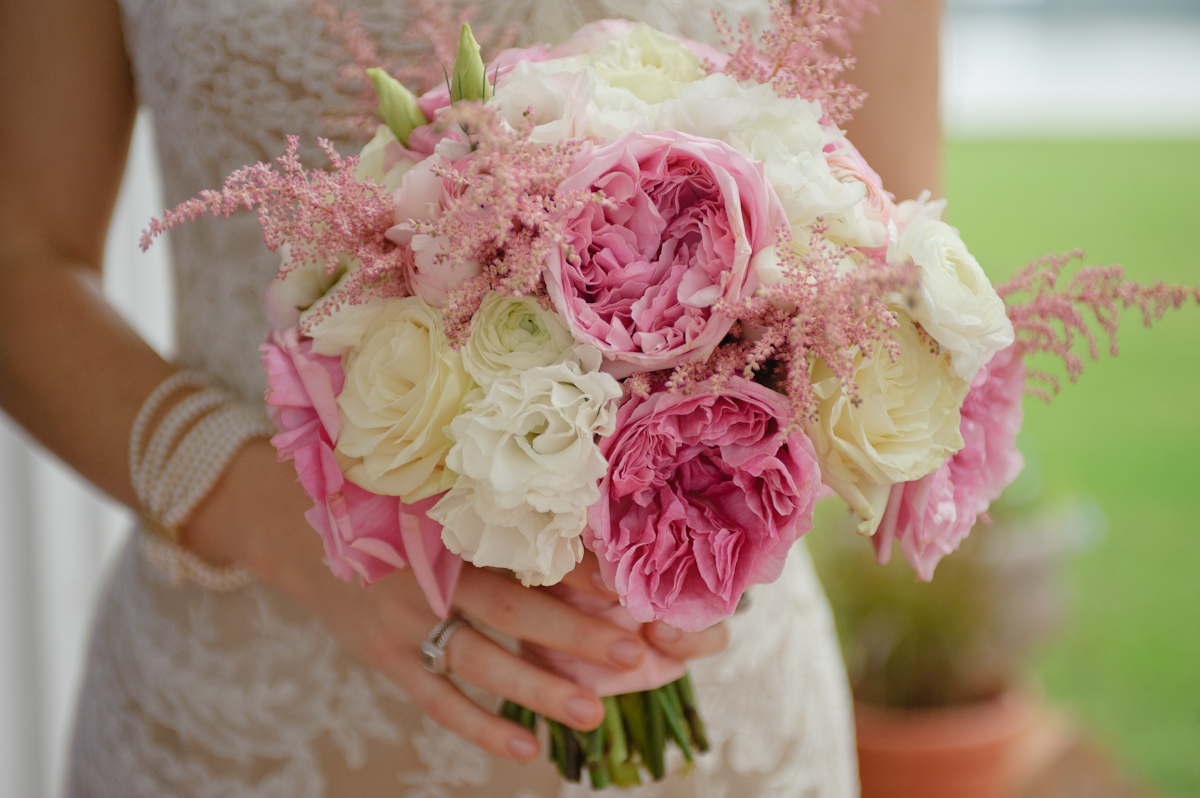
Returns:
<point x="687" y="645"/>
<point x="585" y="577"/>
<point x="445" y="705"/>
<point x="539" y="617"/>
<point x="481" y="662"/>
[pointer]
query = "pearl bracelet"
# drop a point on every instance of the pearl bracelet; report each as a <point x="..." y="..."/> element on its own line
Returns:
<point x="188" y="452"/>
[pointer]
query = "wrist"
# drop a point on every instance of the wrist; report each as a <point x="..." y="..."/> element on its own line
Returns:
<point x="255" y="516"/>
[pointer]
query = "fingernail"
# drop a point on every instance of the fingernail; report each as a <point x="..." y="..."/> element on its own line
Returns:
<point x="665" y="634"/>
<point x="522" y="747"/>
<point x="582" y="710"/>
<point x="626" y="653"/>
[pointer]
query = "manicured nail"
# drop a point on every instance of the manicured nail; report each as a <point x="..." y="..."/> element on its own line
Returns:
<point x="582" y="710"/>
<point x="626" y="653"/>
<point x="522" y="747"/>
<point x="664" y="633"/>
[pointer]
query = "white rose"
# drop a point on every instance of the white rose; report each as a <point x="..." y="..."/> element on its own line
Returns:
<point x="288" y="297"/>
<point x="904" y="428"/>
<point x="958" y="306"/>
<point x="529" y="468"/>
<point x="647" y="62"/>
<point x="383" y="160"/>
<point x="513" y="334"/>
<point x="404" y="385"/>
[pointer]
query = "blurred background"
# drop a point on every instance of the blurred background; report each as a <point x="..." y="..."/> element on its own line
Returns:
<point x="1070" y="123"/>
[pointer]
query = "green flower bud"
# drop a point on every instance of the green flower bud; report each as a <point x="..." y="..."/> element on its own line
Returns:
<point x="397" y="106"/>
<point x="470" y="76"/>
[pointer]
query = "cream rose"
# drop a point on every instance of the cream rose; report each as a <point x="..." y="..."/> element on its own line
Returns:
<point x="513" y="334"/>
<point x="904" y="428"/>
<point x="958" y="306"/>
<point x="529" y="468"/>
<point x="404" y="385"/>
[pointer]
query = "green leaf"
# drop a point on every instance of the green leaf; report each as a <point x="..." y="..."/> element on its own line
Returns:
<point x="397" y="106"/>
<point x="470" y="75"/>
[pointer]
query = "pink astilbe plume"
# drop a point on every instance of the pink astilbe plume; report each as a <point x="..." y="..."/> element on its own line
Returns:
<point x="820" y="310"/>
<point x="504" y="212"/>
<point x="321" y="214"/>
<point x="790" y="53"/>
<point x="1054" y="318"/>
<point x="431" y="25"/>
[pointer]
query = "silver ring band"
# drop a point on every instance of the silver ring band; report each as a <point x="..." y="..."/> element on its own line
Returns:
<point x="433" y="650"/>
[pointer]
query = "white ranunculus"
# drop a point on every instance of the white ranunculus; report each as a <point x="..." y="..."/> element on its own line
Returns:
<point x="288" y="297"/>
<point x="513" y="334"/>
<point x="383" y="160"/>
<point x="530" y="468"/>
<point x="647" y="62"/>
<point x="404" y="385"/>
<point x="958" y="306"/>
<point x="904" y="428"/>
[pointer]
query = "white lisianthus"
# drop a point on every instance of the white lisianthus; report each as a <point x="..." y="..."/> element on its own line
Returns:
<point x="787" y="136"/>
<point x="513" y="334"/>
<point x="383" y="160"/>
<point x="404" y="385"/>
<point x="336" y="331"/>
<point x="305" y="284"/>
<point x="529" y="468"/>
<point x="557" y="101"/>
<point x="958" y="306"/>
<point x="904" y="428"/>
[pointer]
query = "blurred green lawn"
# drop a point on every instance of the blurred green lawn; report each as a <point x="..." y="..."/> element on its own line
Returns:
<point x="1127" y="435"/>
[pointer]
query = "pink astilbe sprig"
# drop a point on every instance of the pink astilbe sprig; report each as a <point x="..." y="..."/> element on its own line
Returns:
<point x="1054" y="317"/>
<point x="321" y="214"/>
<point x="430" y="24"/>
<point x="823" y="309"/>
<point x="790" y="54"/>
<point x="504" y="212"/>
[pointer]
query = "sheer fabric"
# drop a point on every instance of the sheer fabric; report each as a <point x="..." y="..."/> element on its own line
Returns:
<point x="193" y="693"/>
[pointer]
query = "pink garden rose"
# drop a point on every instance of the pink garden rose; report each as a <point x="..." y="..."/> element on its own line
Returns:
<point x="365" y="534"/>
<point x="846" y="162"/>
<point x="704" y="496"/>
<point x="932" y="515"/>
<point x="641" y="278"/>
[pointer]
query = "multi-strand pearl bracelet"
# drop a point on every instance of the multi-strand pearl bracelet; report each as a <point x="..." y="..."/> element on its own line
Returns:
<point x="182" y="462"/>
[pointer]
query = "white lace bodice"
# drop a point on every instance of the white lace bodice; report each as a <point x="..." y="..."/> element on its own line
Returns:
<point x="191" y="693"/>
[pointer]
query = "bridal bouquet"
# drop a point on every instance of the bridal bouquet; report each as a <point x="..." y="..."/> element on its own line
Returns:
<point x="639" y="296"/>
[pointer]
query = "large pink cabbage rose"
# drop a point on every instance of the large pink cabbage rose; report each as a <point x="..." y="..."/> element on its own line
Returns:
<point x="931" y="516"/>
<point x="641" y="278"/>
<point x="704" y="497"/>
<point x="365" y="534"/>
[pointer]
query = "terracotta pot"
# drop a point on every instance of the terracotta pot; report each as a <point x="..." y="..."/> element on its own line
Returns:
<point x="952" y="752"/>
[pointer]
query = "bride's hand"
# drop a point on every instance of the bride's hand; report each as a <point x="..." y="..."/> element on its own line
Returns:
<point x="385" y="624"/>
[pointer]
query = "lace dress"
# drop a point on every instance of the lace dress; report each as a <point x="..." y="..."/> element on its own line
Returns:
<point x="193" y="693"/>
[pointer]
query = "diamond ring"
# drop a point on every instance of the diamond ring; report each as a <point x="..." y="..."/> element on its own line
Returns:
<point x="433" y="650"/>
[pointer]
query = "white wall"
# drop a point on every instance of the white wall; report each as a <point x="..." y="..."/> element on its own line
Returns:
<point x="57" y="534"/>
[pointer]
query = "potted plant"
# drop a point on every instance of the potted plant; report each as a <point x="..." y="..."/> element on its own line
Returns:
<point x="939" y="669"/>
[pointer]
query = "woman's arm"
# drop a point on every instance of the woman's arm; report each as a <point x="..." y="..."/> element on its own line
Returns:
<point x="75" y="375"/>
<point x="899" y="130"/>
